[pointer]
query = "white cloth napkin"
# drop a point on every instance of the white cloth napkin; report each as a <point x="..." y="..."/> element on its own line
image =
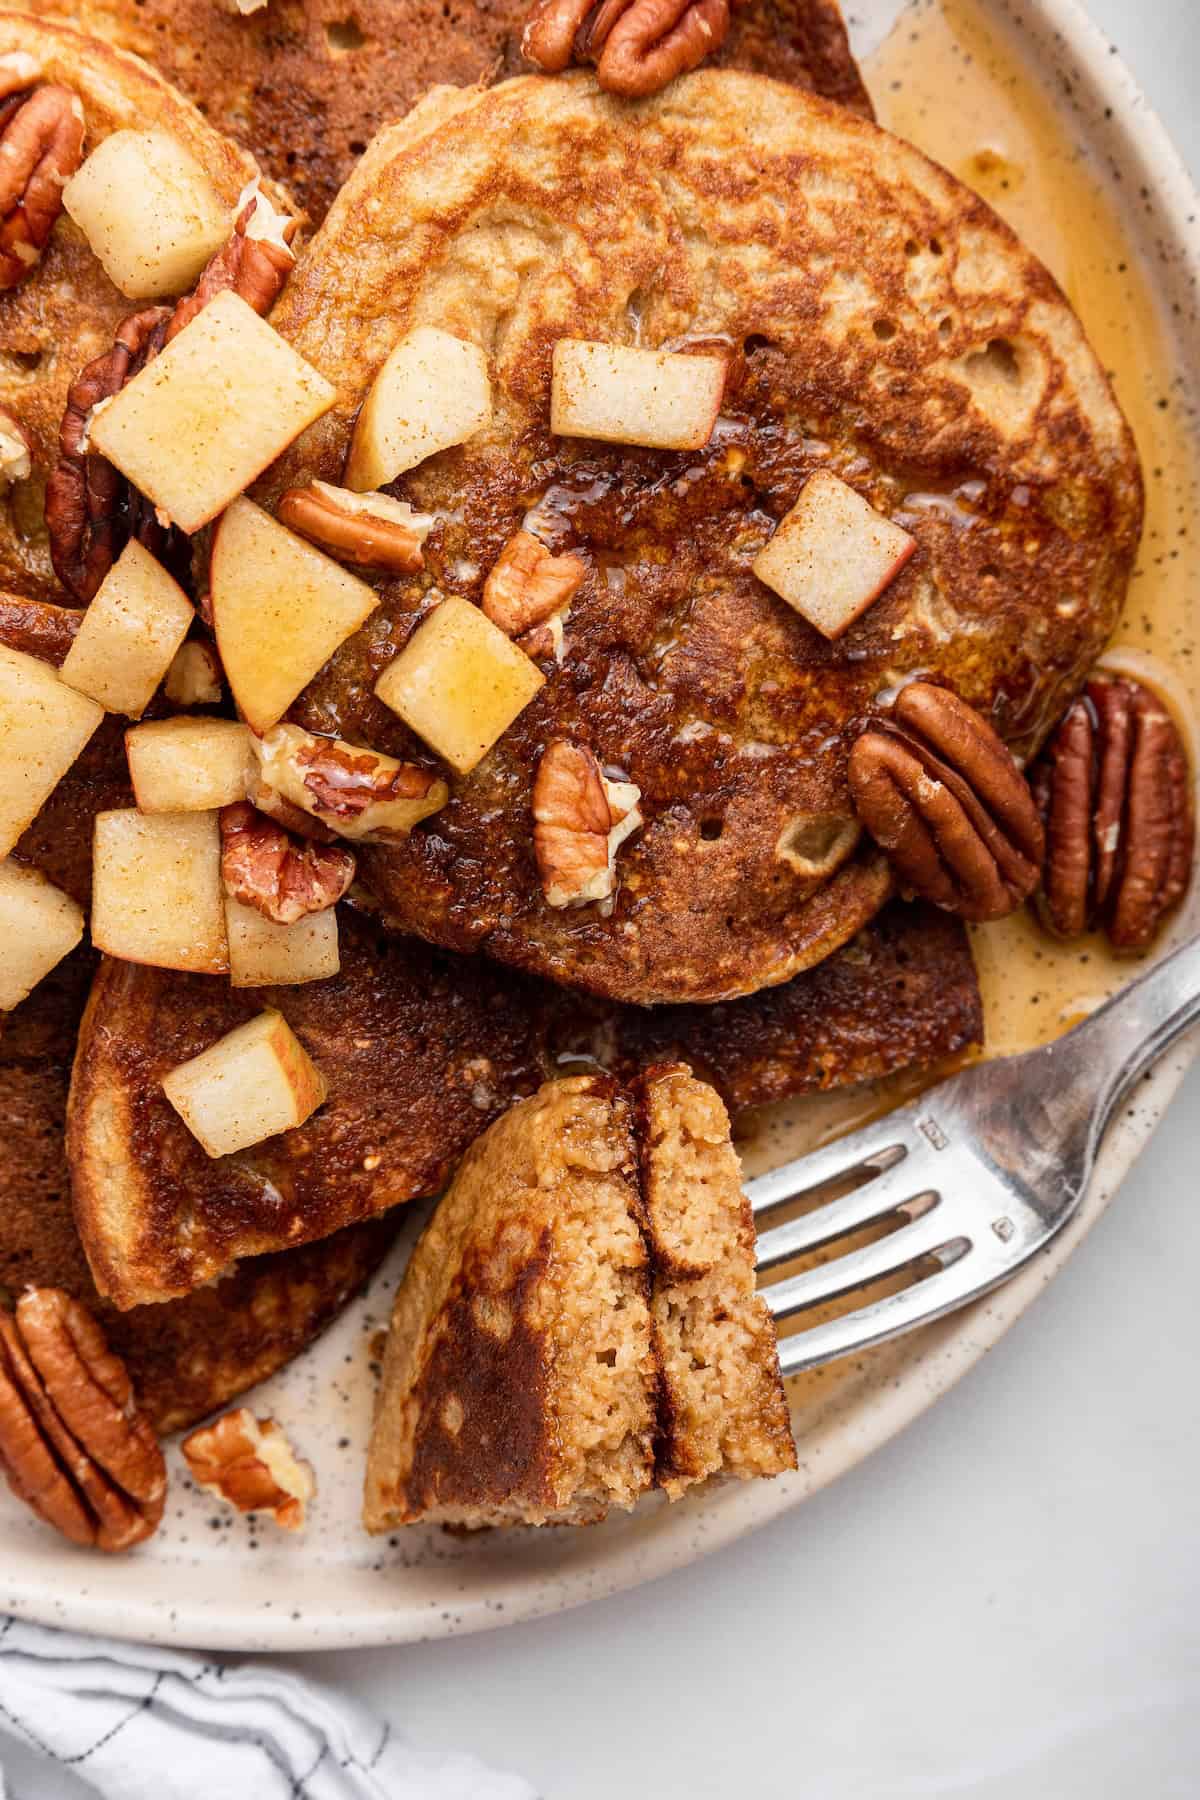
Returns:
<point x="136" y="1723"/>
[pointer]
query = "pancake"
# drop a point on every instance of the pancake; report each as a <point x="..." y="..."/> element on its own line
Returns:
<point x="883" y="324"/>
<point x="67" y="311"/>
<point x="187" y="1358"/>
<point x="303" y="84"/>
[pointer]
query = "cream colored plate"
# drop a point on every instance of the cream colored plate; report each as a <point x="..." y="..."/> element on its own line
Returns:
<point x="207" y="1580"/>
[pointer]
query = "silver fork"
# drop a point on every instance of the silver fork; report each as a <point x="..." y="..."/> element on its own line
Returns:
<point x="977" y="1175"/>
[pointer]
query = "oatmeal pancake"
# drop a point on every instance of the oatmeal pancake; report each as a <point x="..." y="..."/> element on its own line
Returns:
<point x="881" y="324"/>
<point x="304" y="84"/>
<point x="66" y="311"/>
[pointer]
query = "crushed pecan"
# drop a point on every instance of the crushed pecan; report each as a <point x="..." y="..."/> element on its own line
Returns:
<point x="638" y="46"/>
<point x="263" y="867"/>
<point x="939" y="791"/>
<point x="16" y="451"/>
<point x="355" y="792"/>
<point x="91" y="510"/>
<point x="250" y="1463"/>
<point x="1114" y="790"/>
<point x="41" y="146"/>
<point x="372" y="531"/>
<point x="527" y="585"/>
<point x="580" y="821"/>
<point x="73" y="1443"/>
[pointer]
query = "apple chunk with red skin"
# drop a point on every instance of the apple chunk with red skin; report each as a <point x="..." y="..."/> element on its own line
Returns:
<point x="832" y="555"/>
<point x="198" y="423"/>
<point x="39" y="925"/>
<point x="623" y="395"/>
<point x="44" y="724"/>
<point x="188" y="765"/>
<point x="255" y="1082"/>
<point x="280" y="609"/>
<point x="156" y="890"/>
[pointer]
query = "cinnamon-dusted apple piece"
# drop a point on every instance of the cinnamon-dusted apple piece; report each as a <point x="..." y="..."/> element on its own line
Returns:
<point x="624" y="395"/>
<point x="1115" y="793"/>
<point x="39" y="925"/>
<point x="832" y="555"/>
<point x="188" y="764"/>
<point x="253" y="1083"/>
<point x="265" y="953"/>
<point x="156" y="890"/>
<point x="45" y="725"/>
<point x="149" y="211"/>
<point x="547" y="1351"/>
<point x="129" y="635"/>
<point x="432" y="391"/>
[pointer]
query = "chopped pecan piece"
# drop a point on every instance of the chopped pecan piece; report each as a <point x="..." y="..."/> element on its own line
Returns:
<point x="73" y="1444"/>
<point x="580" y="821"/>
<point x="1114" y="791"/>
<point x="638" y="46"/>
<point x="372" y="531"/>
<point x="41" y="146"/>
<point x="354" y="792"/>
<point x="250" y="1463"/>
<point x="527" y="585"/>
<point x="265" y="868"/>
<point x="91" y="510"/>
<point x="939" y="790"/>
<point x="16" y="451"/>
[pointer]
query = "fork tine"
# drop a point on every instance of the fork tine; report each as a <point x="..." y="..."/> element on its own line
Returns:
<point x="840" y="1274"/>
<point x="952" y="1286"/>
<point x="837" y="1218"/>
<point x="881" y="1146"/>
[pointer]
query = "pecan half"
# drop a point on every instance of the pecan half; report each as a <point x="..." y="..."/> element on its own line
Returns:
<point x="263" y="867"/>
<point x="527" y="585"/>
<point x="355" y="792"/>
<point x="250" y="1463"/>
<point x="638" y="46"/>
<point x="91" y="510"/>
<point x="1114" y="790"/>
<point x="372" y="531"/>
<point x="41" y="146"/>
<point x="16" y="451"/>
<point x="580" y="821"/>
<point x="938" y="789"/>
<point x="73" y="1444"/>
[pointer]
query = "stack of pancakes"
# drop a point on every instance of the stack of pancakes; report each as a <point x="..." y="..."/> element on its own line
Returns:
<point x="881" y="322"/>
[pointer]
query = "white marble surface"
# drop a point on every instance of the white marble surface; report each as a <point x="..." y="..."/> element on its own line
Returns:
<point x="1003" y="1604"/>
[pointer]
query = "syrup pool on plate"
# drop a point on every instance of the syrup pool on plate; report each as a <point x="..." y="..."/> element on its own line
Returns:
<point x="951" y="80"/>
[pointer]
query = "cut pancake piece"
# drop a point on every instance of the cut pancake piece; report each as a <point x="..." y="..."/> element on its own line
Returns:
<point x="519" y="1381"/>
<point x="559" y="1343"/>
<point x="192" y="1356"/>
<point x="722" y="1408"/>
<point x="305" y="83"/>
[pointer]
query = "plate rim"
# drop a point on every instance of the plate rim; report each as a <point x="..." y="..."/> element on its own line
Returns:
<point x="879" y="1417"/>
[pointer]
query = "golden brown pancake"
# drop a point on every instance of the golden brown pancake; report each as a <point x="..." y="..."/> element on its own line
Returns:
<point x="579" y="1320"/>
<point x="66" y="312"/>
<point x="189" y="1357"/>
<point x="883" y="323"/>
<point x="303" y="84"/>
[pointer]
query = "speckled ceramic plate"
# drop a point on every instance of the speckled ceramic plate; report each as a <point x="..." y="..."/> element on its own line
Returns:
<point x="212" y="1582"/>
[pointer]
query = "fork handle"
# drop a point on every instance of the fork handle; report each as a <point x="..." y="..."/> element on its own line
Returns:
<point x="1129" y="1032"/>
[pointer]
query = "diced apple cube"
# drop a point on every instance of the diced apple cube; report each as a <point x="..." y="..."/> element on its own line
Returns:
<point x="433" y="391"/>
<point x="263" y="954"/>
<point x="149" y="211"/>
<point x="44" y="725"/>
<point x="832" y="555"/>
<point x="188" y="765"/>
<point x="157" y="895"/>
<point x="130" y="632"/>
<point x="199" y="422"/>
<point x="194" y="677"/>
<point x="623" y="395"/>
<point x="459" y="682"/>
<point x="253" y="1083"/>
<point x="280" y="610"/>
<point x="39" y="925"/>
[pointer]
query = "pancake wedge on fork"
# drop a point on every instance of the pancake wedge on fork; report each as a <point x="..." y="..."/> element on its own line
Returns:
<point x="879" y="325"/>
